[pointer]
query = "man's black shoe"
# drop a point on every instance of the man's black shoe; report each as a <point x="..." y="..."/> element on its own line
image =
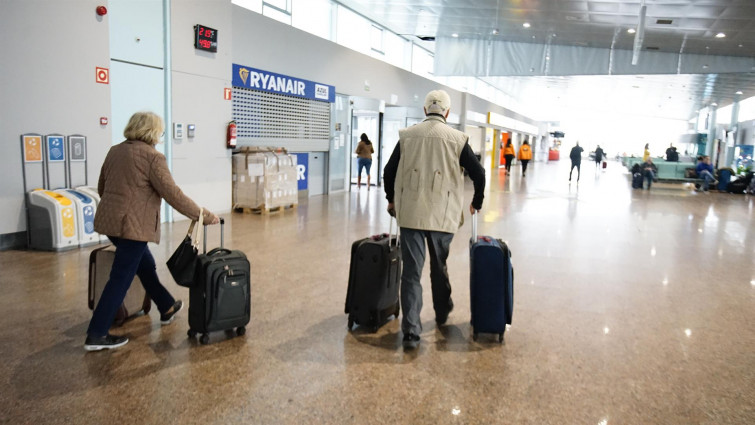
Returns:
<point x="166" y="318"/>
<point x="441" y="319"/>
<point x="411" y="341"/>
<point x="107" y="342"/>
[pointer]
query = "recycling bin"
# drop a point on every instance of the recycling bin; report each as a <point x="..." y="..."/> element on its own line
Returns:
<point x="52" y="221"/>
<point x="92" y="192"/>
<point x="85" y="208"/>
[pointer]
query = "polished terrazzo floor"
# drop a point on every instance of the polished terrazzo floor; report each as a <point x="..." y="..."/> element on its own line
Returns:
<point x="631" y="307"/>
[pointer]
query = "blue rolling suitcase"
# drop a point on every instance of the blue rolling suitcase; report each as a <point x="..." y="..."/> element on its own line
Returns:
<point x="491" y="284"/>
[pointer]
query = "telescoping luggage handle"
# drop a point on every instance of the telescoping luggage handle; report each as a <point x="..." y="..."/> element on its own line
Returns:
<point x="474" y="228"/>
<point x="222" y="242"/>
<point x="389" y="235"/>
<point x="390" y="231"/>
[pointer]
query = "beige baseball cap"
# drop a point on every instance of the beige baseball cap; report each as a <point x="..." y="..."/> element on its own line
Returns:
<point x="437" y="102"/>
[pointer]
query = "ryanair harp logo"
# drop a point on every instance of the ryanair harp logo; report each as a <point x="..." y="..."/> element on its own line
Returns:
<point x="244" y="74"/>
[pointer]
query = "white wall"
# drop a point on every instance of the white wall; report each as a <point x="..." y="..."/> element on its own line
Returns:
<point x="48" y="86"/>
<point x="202" y="165"/>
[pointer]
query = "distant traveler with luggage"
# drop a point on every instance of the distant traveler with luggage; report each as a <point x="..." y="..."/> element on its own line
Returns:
<point x="704" y="171"/>
<point x="576" y="159"/>
<point x="525" y="155"/>
<point x="509" y="153"/>
<point x="599" y="157"/>
<point x="364" y="158"/>
<point x="133" y="180"/>
<point x="424" y="187"/>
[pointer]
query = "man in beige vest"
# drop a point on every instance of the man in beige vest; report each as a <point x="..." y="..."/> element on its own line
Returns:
<point x="424" y="186"/>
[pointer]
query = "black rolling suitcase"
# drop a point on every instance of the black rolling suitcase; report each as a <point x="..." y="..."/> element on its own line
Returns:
<point x="637" y="181"/>
<point x="220" y="298"/>
<point x="491" y="284"/>
<point x="374" y="280"/>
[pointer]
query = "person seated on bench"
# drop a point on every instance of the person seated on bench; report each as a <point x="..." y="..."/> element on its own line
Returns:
<point x="671" y="154"/>
<point x="705" y="171"/>
<point x="648" y="171"/>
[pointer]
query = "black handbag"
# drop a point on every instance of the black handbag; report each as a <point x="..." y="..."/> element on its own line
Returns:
<point x="182" y="263"/>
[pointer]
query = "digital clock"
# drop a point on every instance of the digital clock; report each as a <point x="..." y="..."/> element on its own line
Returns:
<point x="205" y="38"/>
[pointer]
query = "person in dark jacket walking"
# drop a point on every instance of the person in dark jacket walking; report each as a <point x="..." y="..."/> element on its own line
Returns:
<point x="576" y="159"/>
<point x="599" y="157"/>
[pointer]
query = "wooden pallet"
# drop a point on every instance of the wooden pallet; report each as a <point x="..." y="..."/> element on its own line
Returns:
<point x="263" y="210"/>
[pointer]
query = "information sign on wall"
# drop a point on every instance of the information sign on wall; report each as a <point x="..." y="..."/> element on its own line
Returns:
<point x="257" y="79"/>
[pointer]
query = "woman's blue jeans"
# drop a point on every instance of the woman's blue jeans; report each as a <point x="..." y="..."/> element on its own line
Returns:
<point x="132" y="258"/>
<point x="363" y="163"/>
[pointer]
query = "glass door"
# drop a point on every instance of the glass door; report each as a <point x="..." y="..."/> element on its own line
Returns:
<point x="339" y="147"/>
<point x="364" y="122"/>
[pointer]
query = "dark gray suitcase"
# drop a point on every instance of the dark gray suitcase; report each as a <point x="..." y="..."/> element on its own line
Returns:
<point x="491" y="284"/>
<point x="220" y="298"/>
<point x="374" y="281"/>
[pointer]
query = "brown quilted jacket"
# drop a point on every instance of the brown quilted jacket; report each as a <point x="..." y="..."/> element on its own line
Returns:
<point x="133" y="180"/>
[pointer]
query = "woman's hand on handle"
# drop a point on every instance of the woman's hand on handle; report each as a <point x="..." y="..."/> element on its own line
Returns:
<point x="214" y="219"/>
<point x="472" y="210"/>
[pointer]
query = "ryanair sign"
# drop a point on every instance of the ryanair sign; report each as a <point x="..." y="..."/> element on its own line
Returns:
<point x="257" y="79"/>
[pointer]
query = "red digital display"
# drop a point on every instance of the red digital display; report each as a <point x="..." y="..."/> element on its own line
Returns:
<point x="205" y="38"/>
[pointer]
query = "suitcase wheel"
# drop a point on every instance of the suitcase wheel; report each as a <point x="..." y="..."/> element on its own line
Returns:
<point x="351" y="323"/>
<point x="191" y="333"/>
<point x="500" y="338"/>
<point x="398" y="310"/>
<point x="205" y="339"/>
<point x="375" y="329"/>
<point x="241" y="330"/>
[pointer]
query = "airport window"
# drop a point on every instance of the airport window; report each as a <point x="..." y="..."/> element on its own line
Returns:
<point x="253" y="5"/>
<point x="282" y="5"/>
<point x="278" y="10"/>
<point x="746" y="110"/>
<point x="422" y="62"/>
<point x="397" y="50"/>
<point x="353" y="31"/>
<point x="376" y="39"/>
<point x="312" y="16"/>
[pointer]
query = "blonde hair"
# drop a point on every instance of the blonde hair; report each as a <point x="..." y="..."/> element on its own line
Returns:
<point x="145" y="126"/>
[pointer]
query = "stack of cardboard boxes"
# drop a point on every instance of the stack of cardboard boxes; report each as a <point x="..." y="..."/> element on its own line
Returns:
<point x="264" y="179"/>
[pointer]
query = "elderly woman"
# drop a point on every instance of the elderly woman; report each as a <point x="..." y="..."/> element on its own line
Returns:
<point x="133" y="180"/>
